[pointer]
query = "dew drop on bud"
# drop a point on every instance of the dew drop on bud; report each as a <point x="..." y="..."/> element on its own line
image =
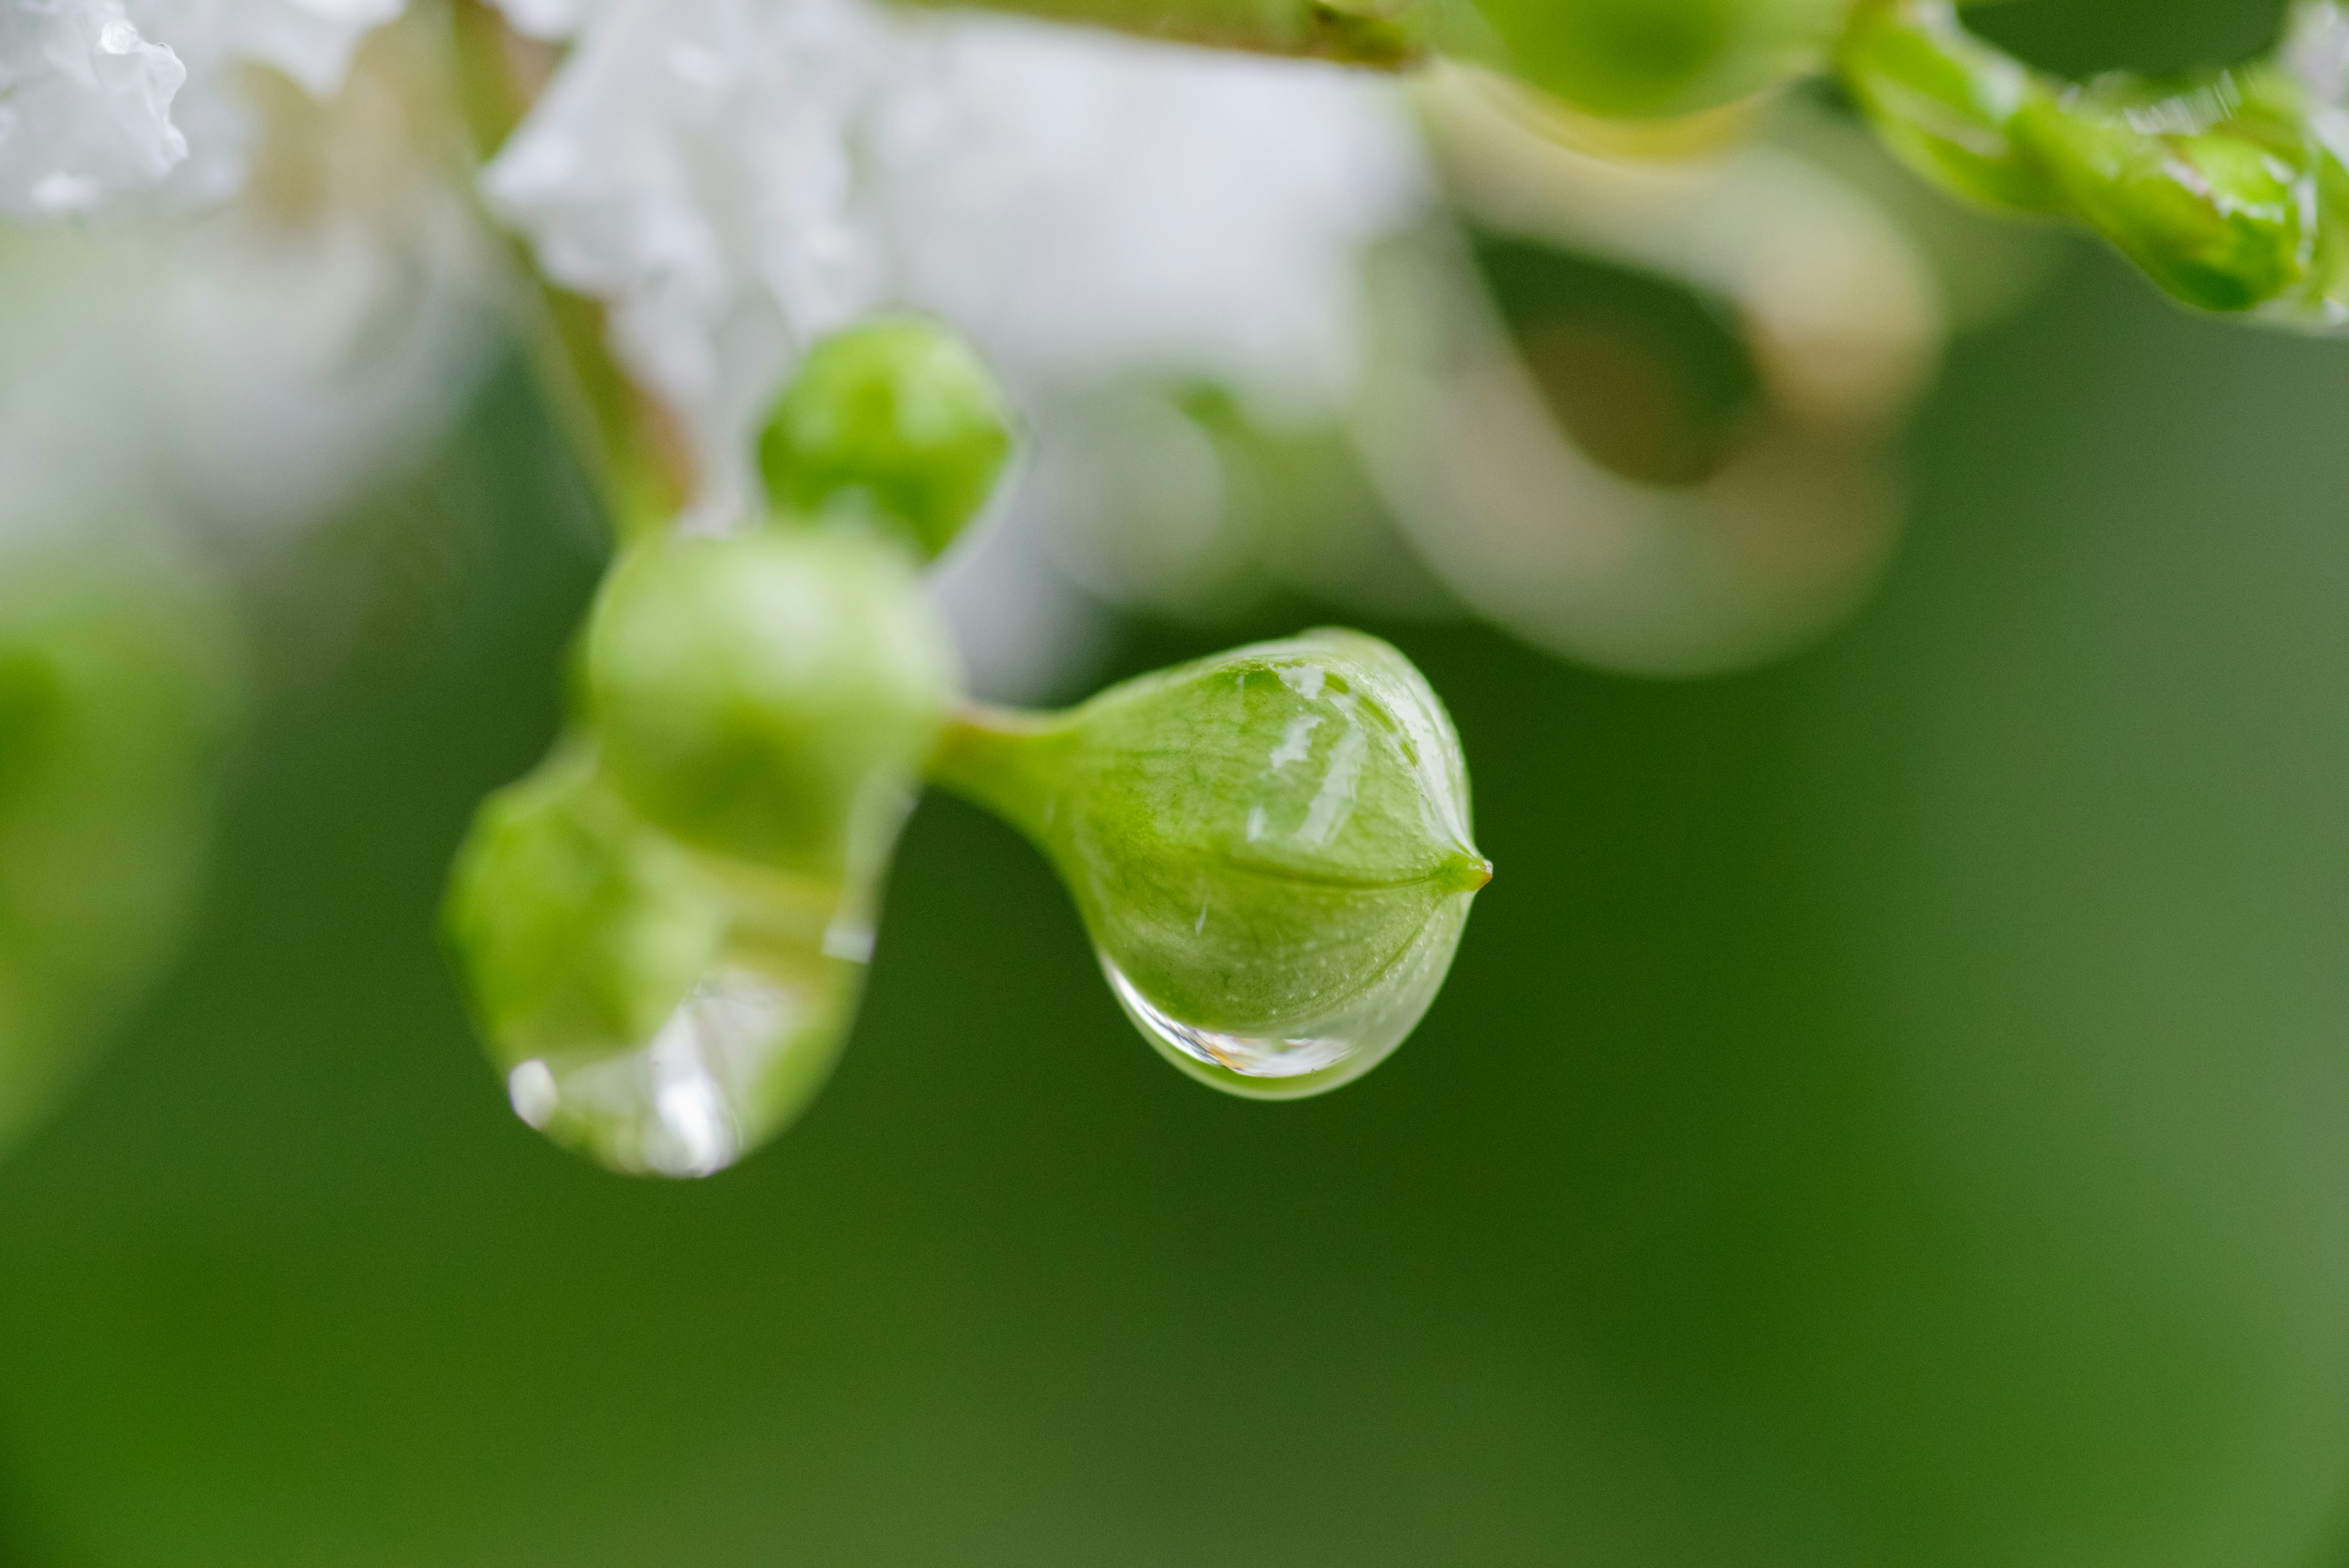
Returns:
<point x="658" y="1011"/>
<point x="722" y="1074"/>
<point x="2213" y="199"/>
<point x="1270" y="848"/>
<point x="1251" y="1056"/>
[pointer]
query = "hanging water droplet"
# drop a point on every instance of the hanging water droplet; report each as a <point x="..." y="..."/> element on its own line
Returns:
<point x="1307" y="1054"/>
<point x="1270" y="1057"/>
<point x="661" y="1011"/>
<point x="721" y="1076"/>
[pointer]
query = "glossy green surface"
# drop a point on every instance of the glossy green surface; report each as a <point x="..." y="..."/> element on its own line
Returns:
<point x="2225" y="186"/>
<point x="769" y="696"/>
<point x="578" y="928"/>
<point x="2220" y="218"/>
<point x="661" y="1011"/>
<point x="1944" y="103"/>
<point x="1270" y="843"/>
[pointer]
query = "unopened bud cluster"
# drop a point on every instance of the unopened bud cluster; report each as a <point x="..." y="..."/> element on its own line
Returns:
<point x="2229" y="189"/>
<point x="664" y="928"/>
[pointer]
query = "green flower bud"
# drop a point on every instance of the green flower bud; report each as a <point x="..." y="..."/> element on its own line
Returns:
<point x="120" y="687"/>
<point x="656" y="1009"/>
<point x="1637" y="59"/>
<point x="579" y="926"/>
<point x="770" y="696"/>
<point x="2321" y="302"/>
<point x="1944" y="102"/>
<point x="2222" y="218"/>
<point x="1271" y="849"/>
<point x="896" y="418"/>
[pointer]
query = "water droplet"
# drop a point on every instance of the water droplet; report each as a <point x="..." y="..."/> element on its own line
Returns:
<point x="1251" y="1058"/>
<point x="736" y="1061"/>
<point x="1308" y="1054"/>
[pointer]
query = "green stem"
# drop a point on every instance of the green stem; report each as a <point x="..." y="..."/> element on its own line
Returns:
<point x="628" y="444"/>
<point x="1003" y="759"/>
<point x="1383" y="36"/>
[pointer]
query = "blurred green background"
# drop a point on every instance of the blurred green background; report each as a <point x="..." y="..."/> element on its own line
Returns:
<point x="1890" y="1109"/>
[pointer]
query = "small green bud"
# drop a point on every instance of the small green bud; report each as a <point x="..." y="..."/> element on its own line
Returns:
<point x="656" y="1009"/>
<point x="897" y="418"/>
<point x="579" y="927"/>
<point x="1271" y="849"/>
<point x="1944" y="102"/>
<point x="769" y="695"/>
<point x="2219" y="217"/>
<point x="1639" y="59"/>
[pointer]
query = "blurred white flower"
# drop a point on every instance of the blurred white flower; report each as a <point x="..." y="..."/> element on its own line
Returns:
<point x="249" y="371"/>
<point x="107" y="102"/>
<point x="85" y="107"/>
<point x="736" y="176"/>
<point x="1089" y="205"/>
<point x="692" y="163"/>
<point x="1837" y="305"/>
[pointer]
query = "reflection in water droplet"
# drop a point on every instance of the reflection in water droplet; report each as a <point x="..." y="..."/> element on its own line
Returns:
<point x="1251" y="1058"/>
<point x="1308" y="1053"/>
<point x="534" y="1092"/>
<point x="724" y="1071"/>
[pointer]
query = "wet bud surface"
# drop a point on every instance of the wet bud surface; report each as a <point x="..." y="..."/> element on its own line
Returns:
<point x="1944" y="103"/>
<point x="580" y="927"/>
<point x="2227" y="188"/>
<point x="658" y="1010"/>
<point x="1270" y="848"/>
<point x="2219" y="217"/>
